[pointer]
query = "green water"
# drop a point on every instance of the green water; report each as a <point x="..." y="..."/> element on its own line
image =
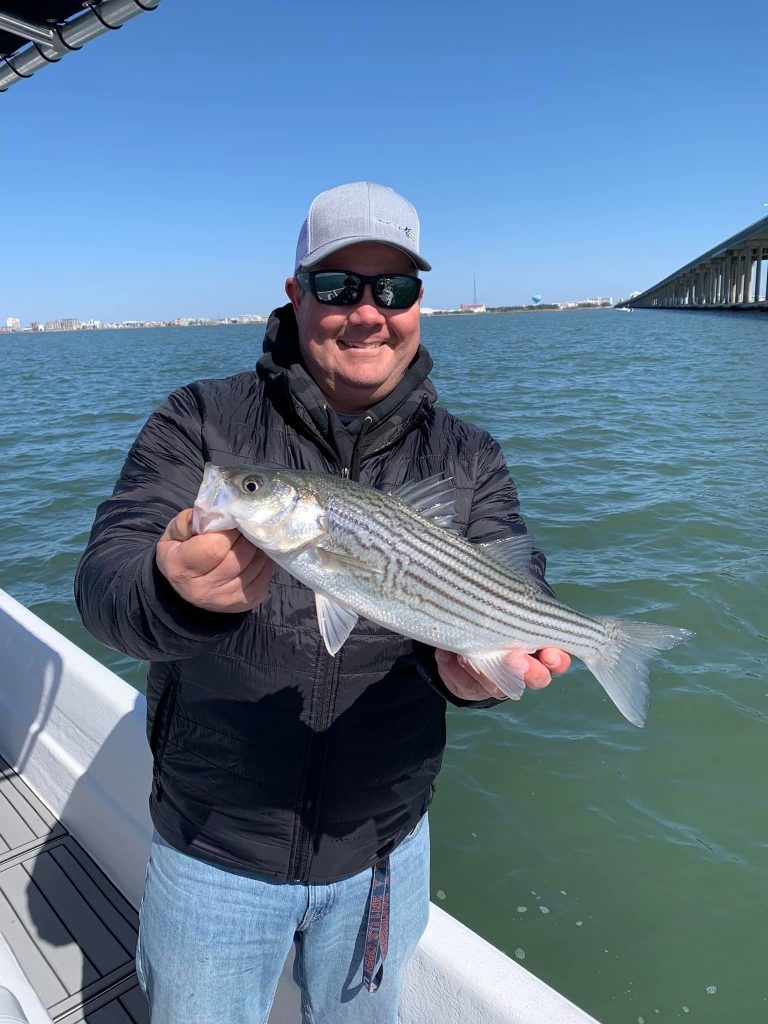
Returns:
<point x="628" y="868"/>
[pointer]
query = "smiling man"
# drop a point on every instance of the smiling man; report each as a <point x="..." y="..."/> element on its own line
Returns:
<point x="357" y="354"/>
<point x="290" y="787"/>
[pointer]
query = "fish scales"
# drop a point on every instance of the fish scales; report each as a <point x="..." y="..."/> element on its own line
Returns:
<point x="500" y="597"/>
<point x="365" y="552"/>
<point x="353" y="527"/>
<point x="455" y="554"/>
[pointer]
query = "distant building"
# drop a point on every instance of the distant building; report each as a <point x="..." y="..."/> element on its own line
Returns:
<point x="35" y="326"/>
<point x="67" y="324"/>
<point x="472" y="307"/>
<point x="12" y="323"/>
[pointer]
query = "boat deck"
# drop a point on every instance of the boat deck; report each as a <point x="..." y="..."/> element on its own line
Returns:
<point x="72" y="932"/>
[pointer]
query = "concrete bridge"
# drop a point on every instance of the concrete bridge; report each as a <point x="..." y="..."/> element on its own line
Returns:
<point x="731" y="276"/>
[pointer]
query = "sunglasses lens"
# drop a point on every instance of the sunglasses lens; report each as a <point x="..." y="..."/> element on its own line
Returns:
<point x="337" y="289"/>
<point x="398" y="291"/>
<point x="343" y="288"/>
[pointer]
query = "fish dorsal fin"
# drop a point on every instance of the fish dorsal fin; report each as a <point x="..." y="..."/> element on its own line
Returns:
<point x="514" y="552"/>
<point x="336" y="622"/>
<point x="493" y="665"/>
<point x="433" y="498"/>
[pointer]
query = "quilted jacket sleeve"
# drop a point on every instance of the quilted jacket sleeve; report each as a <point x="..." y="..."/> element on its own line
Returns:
<point x="123" y="598"/>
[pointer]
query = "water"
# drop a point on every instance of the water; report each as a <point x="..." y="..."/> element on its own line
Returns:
<point x="627" y="868"/>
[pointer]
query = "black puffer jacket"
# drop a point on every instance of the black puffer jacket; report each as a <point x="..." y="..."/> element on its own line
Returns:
<point x="269" y="754"/>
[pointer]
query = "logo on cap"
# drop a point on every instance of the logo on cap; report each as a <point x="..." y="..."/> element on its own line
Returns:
<point x="409" y="233"/>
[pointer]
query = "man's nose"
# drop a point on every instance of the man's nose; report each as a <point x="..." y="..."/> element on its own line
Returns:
<point x="366" y="311"/>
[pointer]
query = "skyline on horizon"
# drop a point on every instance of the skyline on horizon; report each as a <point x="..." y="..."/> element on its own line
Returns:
<point x="565" y="159"/>
<point x="88" y="323"/>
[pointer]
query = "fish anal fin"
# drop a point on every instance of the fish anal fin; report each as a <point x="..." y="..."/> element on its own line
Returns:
<point x="336" y="622"/>
<point x="494" y="665"/>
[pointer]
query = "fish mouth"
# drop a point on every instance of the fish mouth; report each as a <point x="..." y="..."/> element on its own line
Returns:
<point x="206" y="520"/>
<point x="209" y="512"/>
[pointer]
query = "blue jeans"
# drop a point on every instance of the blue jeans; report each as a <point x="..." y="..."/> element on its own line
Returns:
<point x="213" y="941"/>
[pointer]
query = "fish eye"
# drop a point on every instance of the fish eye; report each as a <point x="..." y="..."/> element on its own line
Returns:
<point x="251" y="484"/>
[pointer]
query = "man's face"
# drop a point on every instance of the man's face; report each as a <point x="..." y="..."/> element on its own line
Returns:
<point x="357" y="354"/>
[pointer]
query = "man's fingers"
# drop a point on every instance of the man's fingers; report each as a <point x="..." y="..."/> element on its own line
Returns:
<point x="557" y="661"/>
<point x="241" y="556"/>
<point x="259" y="566"/>
<point x="180" y="527"/>
<point x="539" y="668"/>
<point x="203" y="553"/>
<point x="535" y="674"/>
<point x="537" y="671"/>
<point x="255" y="589"/>
<point x="462" y="681"/>
<point x="192" y="554"/>
<point x="219" y="571"/>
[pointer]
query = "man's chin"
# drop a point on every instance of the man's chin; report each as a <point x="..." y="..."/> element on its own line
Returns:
<point x="356" y="393"/>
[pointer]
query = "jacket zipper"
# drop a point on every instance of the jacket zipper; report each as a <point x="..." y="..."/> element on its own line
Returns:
<point x="394" y="438"/>
<point x="329" y="669"/>
<point x="314" y="774"/>
<point x="308" y="802"/>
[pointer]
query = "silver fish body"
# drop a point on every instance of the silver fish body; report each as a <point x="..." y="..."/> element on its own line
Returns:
<point x="391" y="559"/>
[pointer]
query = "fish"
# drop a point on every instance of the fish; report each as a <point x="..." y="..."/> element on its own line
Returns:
<point x="398" y="559"/>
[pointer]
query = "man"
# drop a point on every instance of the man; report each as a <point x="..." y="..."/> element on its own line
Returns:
<point x="291" y="788"/>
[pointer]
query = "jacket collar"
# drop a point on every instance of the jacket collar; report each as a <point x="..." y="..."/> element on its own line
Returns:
<point x="295" y="394"/>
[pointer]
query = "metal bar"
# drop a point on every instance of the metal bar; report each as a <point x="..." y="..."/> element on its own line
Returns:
<point x="109" y="14"/>
<point x="31" y="30"/>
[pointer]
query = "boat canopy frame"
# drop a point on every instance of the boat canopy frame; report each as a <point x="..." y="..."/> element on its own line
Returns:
<point x="47" y="31"/>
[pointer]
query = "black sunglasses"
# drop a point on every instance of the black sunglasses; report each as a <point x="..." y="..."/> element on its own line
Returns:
<point x="345" y="288"/>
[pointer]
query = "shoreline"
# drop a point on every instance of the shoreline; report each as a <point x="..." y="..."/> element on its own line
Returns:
<point x="516" y="309"/>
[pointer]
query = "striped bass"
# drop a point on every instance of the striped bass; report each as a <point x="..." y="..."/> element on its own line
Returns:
<point x="394" y="559"/>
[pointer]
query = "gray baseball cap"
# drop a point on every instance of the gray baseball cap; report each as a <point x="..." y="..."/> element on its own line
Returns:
<point x="359" y="212"/>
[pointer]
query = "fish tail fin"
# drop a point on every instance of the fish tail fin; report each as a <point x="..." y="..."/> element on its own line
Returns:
<point x="621" y="665"/>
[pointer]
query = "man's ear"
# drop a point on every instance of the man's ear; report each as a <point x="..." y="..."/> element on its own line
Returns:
<point x="294" y="292"/>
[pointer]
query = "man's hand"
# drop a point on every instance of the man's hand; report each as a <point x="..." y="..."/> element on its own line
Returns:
<point x="220" y="572"/>
<point x="466" y="684"/>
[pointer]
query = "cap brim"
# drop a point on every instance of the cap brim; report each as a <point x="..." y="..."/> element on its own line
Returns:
<point x="312" y="259"/>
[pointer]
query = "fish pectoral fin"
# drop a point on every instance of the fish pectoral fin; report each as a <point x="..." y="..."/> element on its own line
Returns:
<point x="337" y="560"/>
<point x="493" y="665"/>
<point x="336" y="622"/>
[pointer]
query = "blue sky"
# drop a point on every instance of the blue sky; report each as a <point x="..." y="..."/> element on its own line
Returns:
<point x="566" y="150"/>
